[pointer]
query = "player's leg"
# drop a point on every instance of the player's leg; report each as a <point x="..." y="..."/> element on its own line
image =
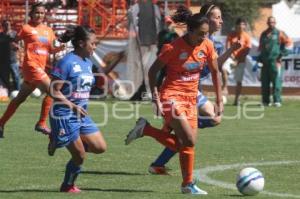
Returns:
<point x="265" y="84"/>
<point x="224" y="84"/>
<point x="91" y="136"/>
<point x="206" y="116"/>
<point x="41" y="125"/>
<point x="239" y="73"/>
<point x="277" y="84"/>
<point x="144" y="128"/>
<point x="73" y="167"/>
<point x="94" y="142"/>
<point x="25" y="91"/>
<point x="15" y="75"/>
<point x="65" y="133"/>
<point x="187" y="135"/>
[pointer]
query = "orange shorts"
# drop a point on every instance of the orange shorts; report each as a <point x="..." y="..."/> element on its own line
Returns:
<point x="179" y="107"/>
<point x="34" y="75"/>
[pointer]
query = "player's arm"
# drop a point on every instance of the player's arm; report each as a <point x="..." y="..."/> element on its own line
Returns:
<point x="55" y="92"/>
<point x="231" y="48"/>
<point x="152" y="74"/>
<point x="153" y="71"/>
<point x="54" y="49"/>
<point x="214" y="69"/>
<point x="116" y="59"/>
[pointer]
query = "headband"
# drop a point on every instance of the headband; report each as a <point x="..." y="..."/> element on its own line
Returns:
<point x="209" y="9"/>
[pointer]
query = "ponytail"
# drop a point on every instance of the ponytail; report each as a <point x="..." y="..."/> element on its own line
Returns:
<point x="182" y="14"/>
<point x="76" y="34"/>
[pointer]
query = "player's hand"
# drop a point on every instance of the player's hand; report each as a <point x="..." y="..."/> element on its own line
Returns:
<point x="157" y="107"/>
<point x="219" y="109"/>
<point x="79" y="111"/>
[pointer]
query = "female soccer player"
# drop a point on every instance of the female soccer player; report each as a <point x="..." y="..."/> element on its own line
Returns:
<point x="70" y="87"/>
<point x="38" y="39"/>
<point x="183" y="59"/>
<point x="206" y="113"/>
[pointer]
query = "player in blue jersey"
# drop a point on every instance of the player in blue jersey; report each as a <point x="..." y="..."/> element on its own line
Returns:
<point x="70" y="124"/>
<point x="206" y="112"/>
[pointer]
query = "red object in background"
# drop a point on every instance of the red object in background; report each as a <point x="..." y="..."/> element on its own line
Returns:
<point x="107" y="17"/>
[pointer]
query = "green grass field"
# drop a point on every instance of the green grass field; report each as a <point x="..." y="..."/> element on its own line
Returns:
<point x="26" y="171"/>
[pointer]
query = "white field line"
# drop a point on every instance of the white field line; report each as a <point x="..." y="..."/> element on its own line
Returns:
<point x="202" y="175"/>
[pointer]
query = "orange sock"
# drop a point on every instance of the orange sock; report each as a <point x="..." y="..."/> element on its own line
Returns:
<point x="186" y="158"/>
<point x="47" y="102"/>
<point x="166" y="139"/>
<point x="10" y="110"/>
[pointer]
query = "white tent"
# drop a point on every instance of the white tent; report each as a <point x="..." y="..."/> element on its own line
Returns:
<point x="288" y="18"/>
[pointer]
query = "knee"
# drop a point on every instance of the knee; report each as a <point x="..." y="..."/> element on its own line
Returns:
<point x="101" y="148"/>
<point x="217" y="120"/>
<point x="189" y="141"/>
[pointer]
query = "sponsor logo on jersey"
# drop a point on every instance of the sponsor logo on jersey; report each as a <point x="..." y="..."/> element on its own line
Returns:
<point x="41" y="52"/>
<point x="76" y="68"/>
<point x="81" y="95"/>
<point x="187" y="76"/>
<point x="200" y="54"/>
<point x="43" y="39"/>
<point x="34" y="32"/>
<point x="192" y="65"/>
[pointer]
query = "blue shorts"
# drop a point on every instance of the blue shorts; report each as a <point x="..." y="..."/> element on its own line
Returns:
<point x="67" y="130"/>
<point x="201" y="99"/>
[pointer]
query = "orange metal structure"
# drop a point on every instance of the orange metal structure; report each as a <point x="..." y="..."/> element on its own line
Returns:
<point x="107" y="17"/>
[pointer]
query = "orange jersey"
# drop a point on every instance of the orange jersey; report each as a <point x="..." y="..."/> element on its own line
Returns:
<point x="38" y="41"/>
<point x="245" y="40"/>
<point x="183" y="66"/>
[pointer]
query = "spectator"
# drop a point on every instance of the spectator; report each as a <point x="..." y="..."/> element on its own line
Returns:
<point x="239" y="55"/>
<point x="272" y="46"/>
<point x="8" y="50"/>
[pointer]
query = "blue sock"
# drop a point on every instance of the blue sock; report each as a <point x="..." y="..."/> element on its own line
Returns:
<point x="163" y="158"/>
<point x="72" y="171"/>
<point x="205" y="122"/>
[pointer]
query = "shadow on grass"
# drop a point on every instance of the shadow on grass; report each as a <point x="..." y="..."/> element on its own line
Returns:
<point x="83" y="189"/>
<point x="29" y="191"/>
<point x="112" y="173"/>
<point x="117" y="190"/>
<point x="235" y="196"/>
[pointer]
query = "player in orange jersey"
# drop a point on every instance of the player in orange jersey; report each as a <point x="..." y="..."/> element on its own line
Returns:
<point x="38" y="39"/>
<point x="239" y="55"/>
<point x="183" y="60"/>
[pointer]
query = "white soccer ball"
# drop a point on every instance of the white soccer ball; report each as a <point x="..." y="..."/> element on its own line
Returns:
<point x="36" y="93"/>
<point x="250" y="181"/>
<point x="14" y="94"/>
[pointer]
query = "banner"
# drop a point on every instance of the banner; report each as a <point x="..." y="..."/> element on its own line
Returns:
<point x="291" y="64"/>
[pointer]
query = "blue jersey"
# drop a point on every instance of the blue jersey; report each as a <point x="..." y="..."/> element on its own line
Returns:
<point x="78" y="77"/>
<point x="219" y="47"/>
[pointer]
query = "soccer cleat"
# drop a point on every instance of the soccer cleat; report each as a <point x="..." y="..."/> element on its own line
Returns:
<point x="42" y="129"/>
<point x="69" y="189"/>
<point x="267" y="104"/>
<point x="1" y="132"/>
<point x="192" y="189"/>
<point x="158" y="170"/>
<point x="137" y="131"/>
<point x="277" y="104"/>
<point x="51" y="146"/>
